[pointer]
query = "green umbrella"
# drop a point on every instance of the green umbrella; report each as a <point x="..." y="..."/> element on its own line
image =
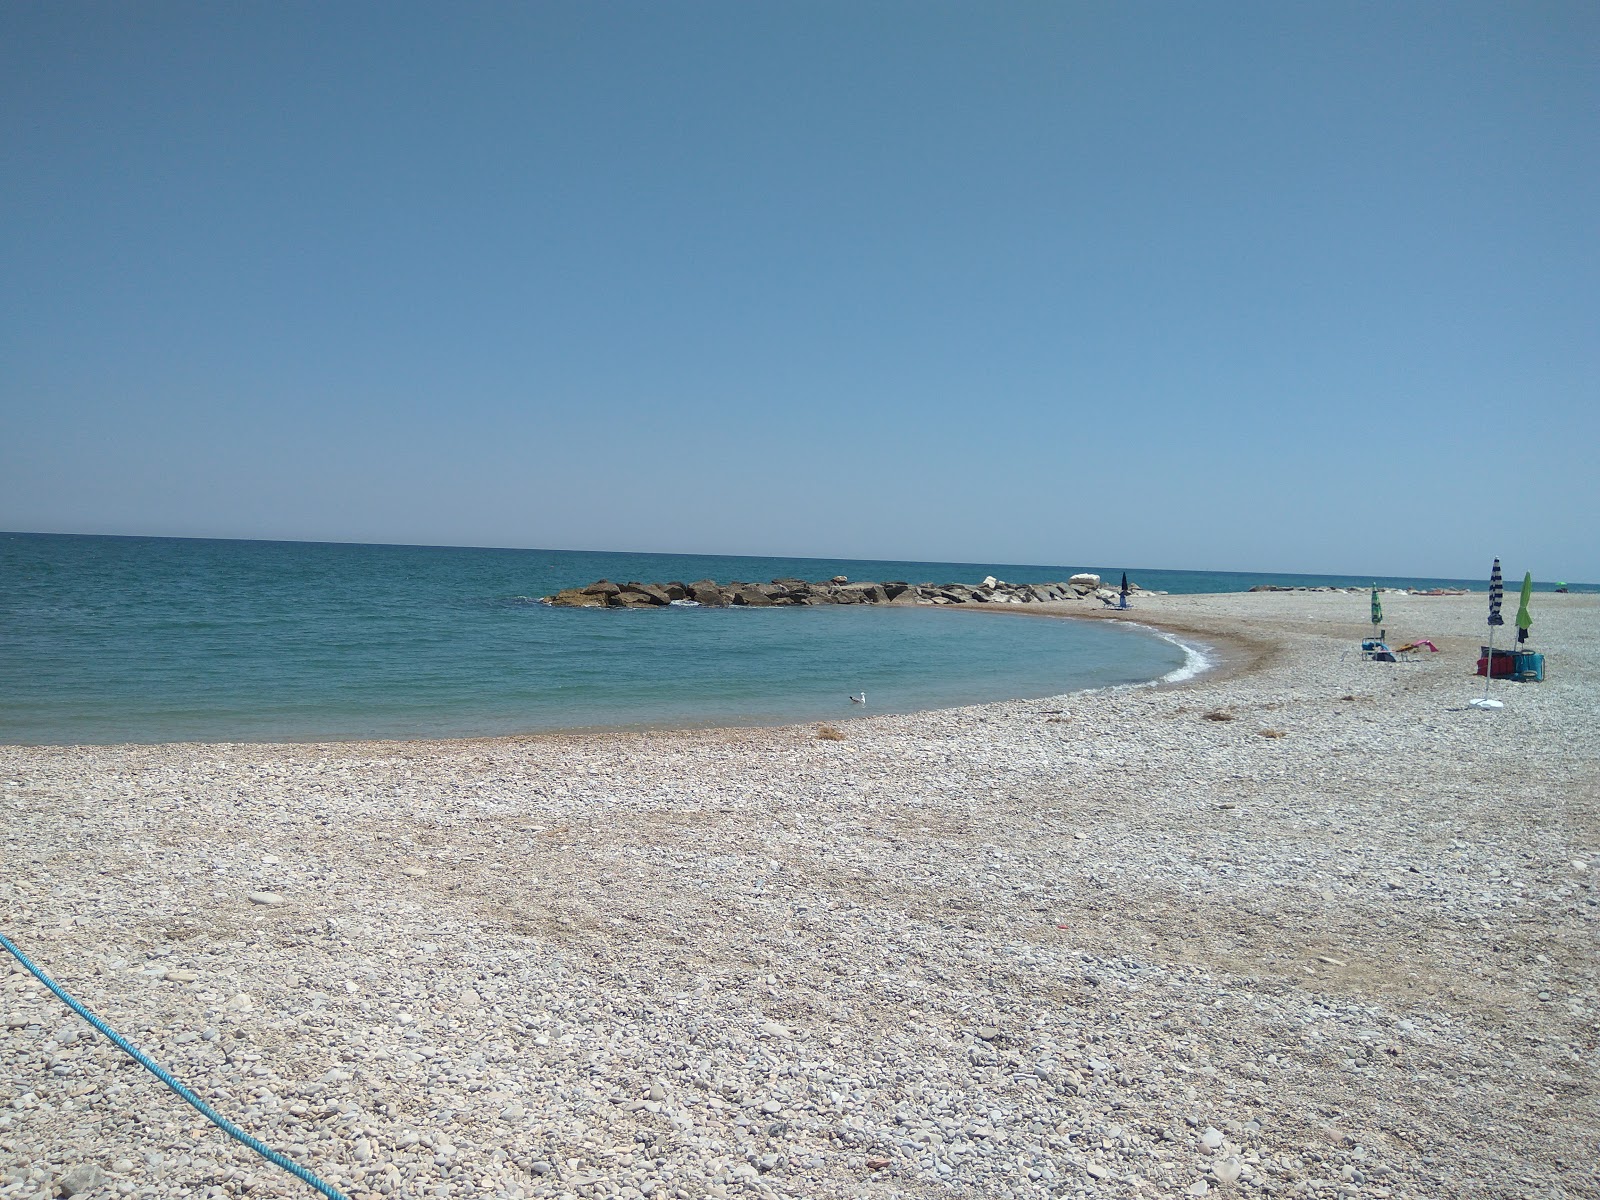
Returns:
<point x="1524" y="621"/>
<point x="1377" y="608"/>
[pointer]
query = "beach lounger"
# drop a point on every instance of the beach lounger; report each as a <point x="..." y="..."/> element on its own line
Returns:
<point x="1375" y="651"/>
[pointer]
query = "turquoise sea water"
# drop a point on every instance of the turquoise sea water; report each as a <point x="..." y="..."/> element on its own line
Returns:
<point x="109" y="639"/>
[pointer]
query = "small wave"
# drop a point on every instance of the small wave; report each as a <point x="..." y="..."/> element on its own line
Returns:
<point x="1196" y="660"/>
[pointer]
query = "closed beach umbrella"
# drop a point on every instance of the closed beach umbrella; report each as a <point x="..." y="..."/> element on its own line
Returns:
<point x="1496" y="595"/>
<point x="1377" y="607"/>
<point x="1524" y="621"/>
<point x="1124" y="589"/>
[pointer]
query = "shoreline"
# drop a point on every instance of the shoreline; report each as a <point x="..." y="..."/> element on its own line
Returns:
<point x="1069" y="611"/>
<point x="1302" y="924"/>
<point x="1223" y="654"/>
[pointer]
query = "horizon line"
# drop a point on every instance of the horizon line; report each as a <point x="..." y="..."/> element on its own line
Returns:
<point x="1374" y="577"/>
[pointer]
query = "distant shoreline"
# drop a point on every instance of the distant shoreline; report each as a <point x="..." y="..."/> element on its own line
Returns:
<point x="739" y="565"/>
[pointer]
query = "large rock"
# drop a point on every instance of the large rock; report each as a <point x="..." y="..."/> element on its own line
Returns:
<point x="653" y="593"/>
<point x="1085" y="579"/>
<point x="751" y="595"/>
<point x="863" y="593"/>
<point x="705" y="592"/>
<point x="77" y="1180"/>
<point x="575" y="598"/>
<point x="602" y="587"/>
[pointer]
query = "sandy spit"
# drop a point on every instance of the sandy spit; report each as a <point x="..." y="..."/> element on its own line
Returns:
<point x="1309" y="926"/>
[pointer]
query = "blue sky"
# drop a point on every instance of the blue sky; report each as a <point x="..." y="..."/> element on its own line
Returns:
<point x="1232" y="286"/>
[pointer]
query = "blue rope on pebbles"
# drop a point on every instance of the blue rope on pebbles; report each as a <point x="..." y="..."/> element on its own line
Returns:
<point x="139" y="1056"/>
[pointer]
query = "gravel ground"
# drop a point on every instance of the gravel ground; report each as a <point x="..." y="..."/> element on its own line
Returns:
<point x="1341" y="944"/>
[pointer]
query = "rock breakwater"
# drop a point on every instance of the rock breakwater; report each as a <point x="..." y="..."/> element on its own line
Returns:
<point x="838" y="590"/>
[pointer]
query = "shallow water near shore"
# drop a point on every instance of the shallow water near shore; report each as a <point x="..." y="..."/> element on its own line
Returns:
<point x="151" y="640"/>
<point x="109" y="639"/>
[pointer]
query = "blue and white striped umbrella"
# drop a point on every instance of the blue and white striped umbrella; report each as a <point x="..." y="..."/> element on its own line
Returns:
<point x="1497" y="593"/>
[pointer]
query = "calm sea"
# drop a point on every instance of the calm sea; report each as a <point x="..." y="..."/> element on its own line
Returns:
<point x="114" y="639"/>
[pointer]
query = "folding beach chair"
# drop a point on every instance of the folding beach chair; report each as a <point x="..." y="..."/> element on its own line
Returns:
<point x="1374" y="650"/>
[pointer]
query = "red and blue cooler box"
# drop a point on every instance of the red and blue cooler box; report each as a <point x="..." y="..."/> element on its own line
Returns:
<point x="1520" y="665"/>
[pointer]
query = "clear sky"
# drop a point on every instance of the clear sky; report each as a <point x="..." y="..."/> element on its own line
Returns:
<point x="1292" y="287"/>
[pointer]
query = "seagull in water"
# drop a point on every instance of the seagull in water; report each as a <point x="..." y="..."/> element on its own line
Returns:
<point x="861" y="699"/>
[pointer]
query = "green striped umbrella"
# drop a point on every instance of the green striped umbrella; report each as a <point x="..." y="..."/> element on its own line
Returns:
<point x="1377" y="608"/>
<point x="1524" y="621"/>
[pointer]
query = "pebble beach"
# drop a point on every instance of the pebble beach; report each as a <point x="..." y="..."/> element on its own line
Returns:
<point x="1306" y="925"/>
